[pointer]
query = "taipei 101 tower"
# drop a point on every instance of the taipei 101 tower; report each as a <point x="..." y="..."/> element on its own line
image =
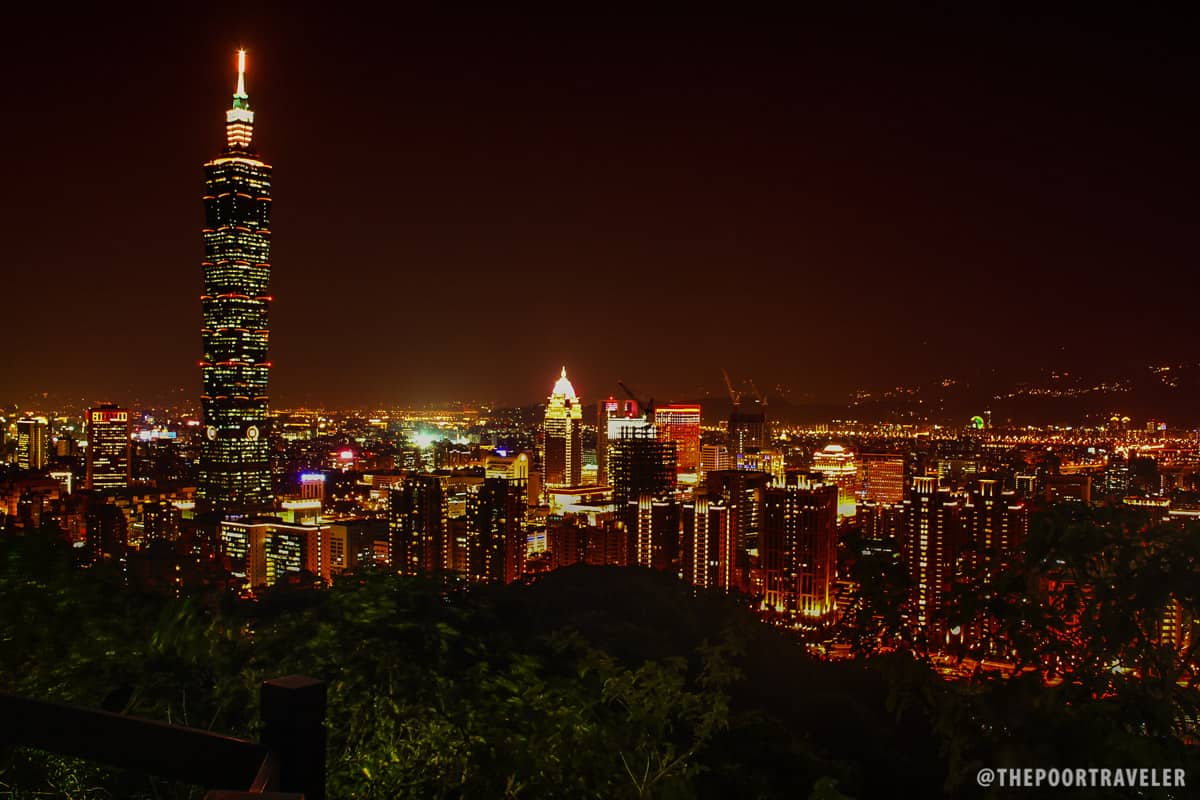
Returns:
<point x="235" y="475"/>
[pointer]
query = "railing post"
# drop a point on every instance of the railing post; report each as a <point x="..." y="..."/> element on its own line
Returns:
<point x="293" y="716"/>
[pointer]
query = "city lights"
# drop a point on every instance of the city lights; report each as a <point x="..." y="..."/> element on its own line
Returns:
<point x="970" y="479"/>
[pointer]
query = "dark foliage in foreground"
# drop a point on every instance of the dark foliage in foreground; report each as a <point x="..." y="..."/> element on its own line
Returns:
<point x="591" y="682"/>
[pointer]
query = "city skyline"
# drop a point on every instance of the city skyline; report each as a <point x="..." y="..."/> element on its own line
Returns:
<point x="585" y="406"/>
<point x="772" y="187"/>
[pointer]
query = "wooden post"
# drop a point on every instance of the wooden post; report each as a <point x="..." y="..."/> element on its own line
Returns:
<point x="293" y="716"/>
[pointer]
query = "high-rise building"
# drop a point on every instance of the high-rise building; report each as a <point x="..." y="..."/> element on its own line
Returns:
<point x="605" y="410"/>
<point x="747" y="428"/>
<point x="880" y="525"/>
<point x="312" y="486"/>
<point x="107" y="532"/>
<point x="562" y="464"/>
<point x="626" y="420"/>
<point x="586" y="539"/>
<point x="1029" y="486"/>
<point x="881" y="477"/>
<point x="417" y="529"/>
<point x="714" y="457"/>
<point x="496" y="531"/>
<point x="840" y="468"/>
<point x="33" y="442"/>
<point x="957" y="472"/>
<point x="742" y="492"/>
<point x="108" y="462"/>
<point x="771" y="461"/>
<point x="642" y="469"/>
<point x="705" y="525"/>
<point x="515" y="468"/>
<point x="680" y="423"/>
<point x="1116" y="475"/>
<point x="640" y="465"/>
<point x="654" y="534"/>
<point x="265" y="550"/>
<point x="994" y="523"/>
<point x="798" y="548"/>
<point x="161" y="521"/>
<point x="929" y="542"/>
<point x="234" y="458"/>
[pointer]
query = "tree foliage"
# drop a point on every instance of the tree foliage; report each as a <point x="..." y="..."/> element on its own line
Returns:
<point x="434" y="691"/>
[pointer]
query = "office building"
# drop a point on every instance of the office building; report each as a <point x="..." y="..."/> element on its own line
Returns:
<point x="562" y="462"/>
<point x="496" y="531"/>
<point x="769" y="461"/>
<point x="107" y="531"/>
<point x="798" y="548"/>
<point x="680" y="423"/>
<point x="235" y="472"/>
<point x="704" y="527"/>
<point x="605" y="410"/>
<point x="929" y="546"/>
<point x="265" y="551"/>
<point x="742" y="493"/>
<point x="714" y="457"/>
<point x="747" y="428"/>
<point x="417" y="529"/>
<point x="33" y="442"/>
<point x="881" y="477"/>
<point x="108" y="461"/>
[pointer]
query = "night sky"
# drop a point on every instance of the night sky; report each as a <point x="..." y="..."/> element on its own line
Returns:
<point x="465" y="203"/>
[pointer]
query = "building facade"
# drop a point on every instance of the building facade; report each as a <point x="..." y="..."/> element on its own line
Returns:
<point x="108" y="462"/>
<point x="798" y="549"/>
<point x="881" y="477"/>
<point x="680" y="423"/>
<point x="417" y="526"/>
<point x="562" y="463"/>
<point x="235" y="472"/>
<point x="33" y="442"/>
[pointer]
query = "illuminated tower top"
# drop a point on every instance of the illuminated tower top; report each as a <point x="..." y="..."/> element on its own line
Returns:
<point x="564" y="389"/>
<point x="239" y="119"/>
<point x="564" y="403"/>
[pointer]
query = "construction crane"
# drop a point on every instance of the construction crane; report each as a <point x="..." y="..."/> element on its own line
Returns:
<point x="762" y="400"/>
<point x="647" y="408"/>
<point x="734" y="395"/>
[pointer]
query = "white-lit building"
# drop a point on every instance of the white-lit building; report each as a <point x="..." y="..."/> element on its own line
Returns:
<point x="562" y="462"/>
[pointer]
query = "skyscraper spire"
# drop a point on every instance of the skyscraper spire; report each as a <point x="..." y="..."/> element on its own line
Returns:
<point x="239" y="119"/>
<point x="240" y="96"/>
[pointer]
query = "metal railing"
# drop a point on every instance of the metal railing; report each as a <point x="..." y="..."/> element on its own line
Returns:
<point x="287" y="764"/>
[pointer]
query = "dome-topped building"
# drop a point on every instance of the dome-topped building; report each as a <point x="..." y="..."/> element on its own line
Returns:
<point x="564" y="387"/>
<point x="562" y="462"/>
<point x="839" y="465"/>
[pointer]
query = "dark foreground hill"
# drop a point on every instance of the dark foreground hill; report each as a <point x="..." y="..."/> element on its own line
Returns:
<point x="796" y="718"/>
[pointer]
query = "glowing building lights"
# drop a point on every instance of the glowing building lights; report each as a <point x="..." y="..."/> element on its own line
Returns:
<point x="234" y="467"/>
<point x="563" y="426"/>
<point x="108" y="464"/>
<point x="33" y="441"/>
<point x="680" y="423"/>
<point x="840" y="468"/>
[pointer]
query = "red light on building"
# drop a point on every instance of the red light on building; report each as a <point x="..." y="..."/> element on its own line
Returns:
<point x="680" y="423"/>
